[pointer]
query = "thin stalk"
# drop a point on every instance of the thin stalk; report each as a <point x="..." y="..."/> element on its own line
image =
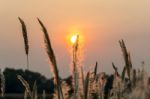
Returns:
<point x="115" y="69"/>
<point x="86" y="88"/>
<point x="82" y="77"/>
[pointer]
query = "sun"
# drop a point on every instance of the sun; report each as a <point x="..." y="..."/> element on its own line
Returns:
<point x="74" y="39"/>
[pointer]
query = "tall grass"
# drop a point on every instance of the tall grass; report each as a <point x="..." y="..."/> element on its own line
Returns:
<point x="75" y="68"/>
<point x="94" y="85"/>
<point x="52" y="59"/>
<point x="127" y="59"/>
<point x="26" y="41"/>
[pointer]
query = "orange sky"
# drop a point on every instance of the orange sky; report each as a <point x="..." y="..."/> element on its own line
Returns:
<point x="101" y="22"/>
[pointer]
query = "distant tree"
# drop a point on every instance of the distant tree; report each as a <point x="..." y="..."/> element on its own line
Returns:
<point x="13" y="85"/>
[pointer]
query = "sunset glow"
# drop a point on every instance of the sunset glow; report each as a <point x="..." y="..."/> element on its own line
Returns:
<point x="80" y="49"/>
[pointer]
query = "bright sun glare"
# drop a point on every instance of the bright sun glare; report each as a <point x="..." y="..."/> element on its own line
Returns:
<point x="74" y="39"/>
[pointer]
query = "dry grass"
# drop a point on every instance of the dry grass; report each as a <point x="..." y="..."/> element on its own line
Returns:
<point x="26" y="41"/>
<point x="75" y="68"/>
<point x="52" y="59"/>
<point x="28" y="92"/>
<point x="26" y="85"/>
<point x="93" y="85"/>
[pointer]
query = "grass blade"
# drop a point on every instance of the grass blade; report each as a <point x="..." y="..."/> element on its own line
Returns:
<point x="115" y="68"/>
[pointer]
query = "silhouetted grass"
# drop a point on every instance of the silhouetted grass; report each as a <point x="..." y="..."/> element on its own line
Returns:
<point x="26" y="41"/>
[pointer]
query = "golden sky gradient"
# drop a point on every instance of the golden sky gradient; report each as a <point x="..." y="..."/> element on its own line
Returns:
<point x="100" y="22"/>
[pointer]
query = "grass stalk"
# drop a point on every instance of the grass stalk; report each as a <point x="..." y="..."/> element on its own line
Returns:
<point x="86" y="88"/>
<point x="127" y="58"/>
<point x="25" y="37"/>
<point x="75" y="70"/>
<point x="82" y="79"/>
<point x="52" y="59"/>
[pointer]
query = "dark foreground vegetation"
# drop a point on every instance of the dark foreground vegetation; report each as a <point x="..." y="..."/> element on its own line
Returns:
<point x="13" y="85"/>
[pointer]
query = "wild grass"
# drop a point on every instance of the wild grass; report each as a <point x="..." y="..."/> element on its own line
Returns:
<point x="75" y="68"/>
<point x="52" y="59"/>
<point x="26" y="41"/>
<point x="28" y="92"/>
<point x="26" y="85"/>
<point x="127" y="59"/>
<point x="129" y="84"/>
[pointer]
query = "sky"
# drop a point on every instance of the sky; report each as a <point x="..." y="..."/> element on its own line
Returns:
<point x="101" y="24"/>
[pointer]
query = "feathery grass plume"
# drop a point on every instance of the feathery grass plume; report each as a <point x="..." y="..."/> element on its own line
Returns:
<point x="86" y="84"/>
<point x="127" y="58"/>
<point x="25" y="84"/>
<point x="75" y="69"/>
<point x="52" y="59"/>
<point x="26" y="42"/>
<point x="2" y="83"/>
<point x="115" y="68"/>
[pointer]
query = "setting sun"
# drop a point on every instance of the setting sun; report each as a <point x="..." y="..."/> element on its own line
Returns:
<point x="74" y="39"/>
